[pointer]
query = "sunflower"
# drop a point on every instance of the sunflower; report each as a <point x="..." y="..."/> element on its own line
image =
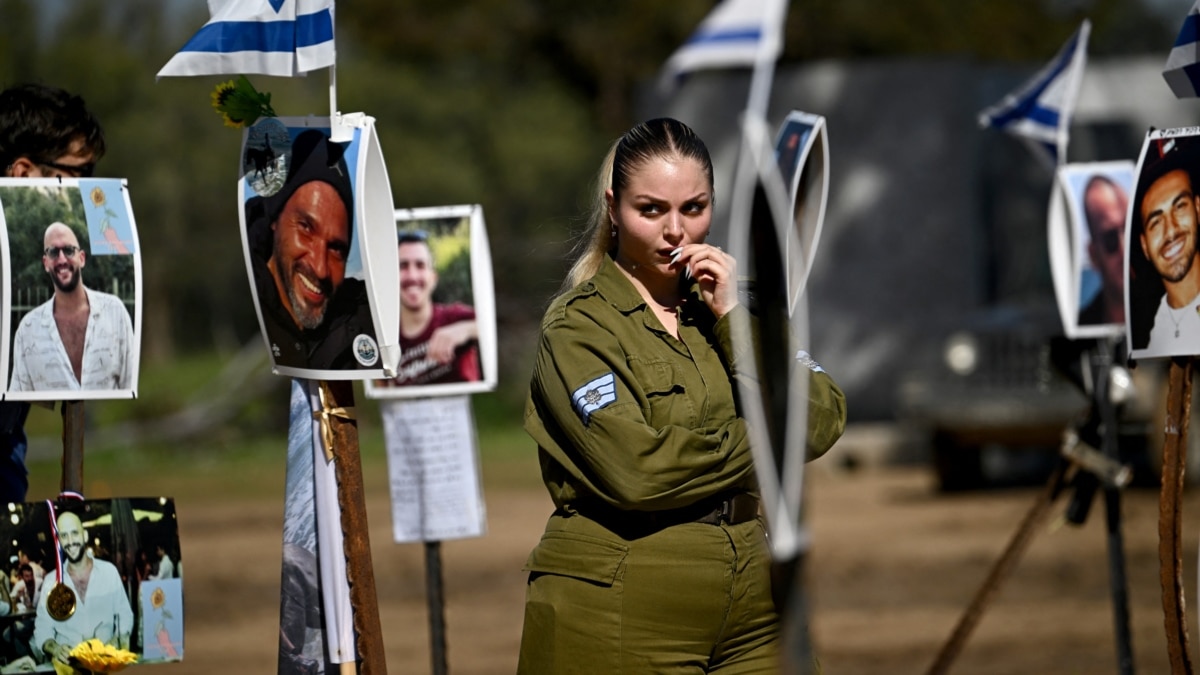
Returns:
<point x="158" y="598"/>
<point x="97" y="197"/>
<point x="239" y="103"/>
<point x="97" y="657"/>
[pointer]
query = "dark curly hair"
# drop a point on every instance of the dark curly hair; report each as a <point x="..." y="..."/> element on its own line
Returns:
<point x="41" y="122"/>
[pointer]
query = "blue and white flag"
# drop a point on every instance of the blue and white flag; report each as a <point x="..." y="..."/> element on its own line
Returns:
<point x="1183" y="64"/>
<point x="736" y="33"/>
<point x="1040" y="110"/>
<point x="266" y="37"/>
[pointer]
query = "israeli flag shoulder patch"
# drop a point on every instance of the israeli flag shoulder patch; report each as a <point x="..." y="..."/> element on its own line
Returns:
<point x="806" y="359"/>
<point x="594" y="395"/>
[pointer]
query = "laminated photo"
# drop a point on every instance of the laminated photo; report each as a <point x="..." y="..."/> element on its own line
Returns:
<point x="1162" y="294"/>
<point x="313" y="212"/>
<point x="802" y="155"/>
<point x="71" y="323"/>
<point x="91" y="577"/>
<point x="1089" y="203"/>
<point x="447" y="323"/>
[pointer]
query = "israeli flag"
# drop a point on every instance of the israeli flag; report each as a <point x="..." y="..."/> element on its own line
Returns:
<point x="1183" y="64"/>
<point x="266" y="37"/>
<point x="1041" y="109"/>
<point x="736" y="33"/>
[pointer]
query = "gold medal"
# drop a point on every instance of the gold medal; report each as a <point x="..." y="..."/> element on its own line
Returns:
<point x="61" y="602"/>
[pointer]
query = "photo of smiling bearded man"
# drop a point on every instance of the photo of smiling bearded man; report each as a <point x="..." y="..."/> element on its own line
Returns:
<point x="313" y="315"/>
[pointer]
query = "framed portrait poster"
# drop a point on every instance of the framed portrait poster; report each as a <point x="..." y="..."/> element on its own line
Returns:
<point x="802" y="154"/>
<point x="447" y="304"/>
<point x="123" y="552"/>
<point x="1162" y="290"/>
<point x="1086" y="228"/>
<point x="316" y="213"/>
<point x="69" y="244"/>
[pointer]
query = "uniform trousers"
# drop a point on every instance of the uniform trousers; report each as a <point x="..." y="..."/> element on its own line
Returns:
<point x="688" y="598"/>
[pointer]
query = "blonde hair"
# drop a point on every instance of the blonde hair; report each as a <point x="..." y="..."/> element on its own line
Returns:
<point x="662" y="137"/>
<point x="597" y="240"/>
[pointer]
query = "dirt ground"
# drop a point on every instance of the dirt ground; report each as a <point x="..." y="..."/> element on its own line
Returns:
<point x="893" y="566"/>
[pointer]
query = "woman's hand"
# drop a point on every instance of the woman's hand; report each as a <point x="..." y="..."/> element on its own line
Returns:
<point x="716" y="273"/>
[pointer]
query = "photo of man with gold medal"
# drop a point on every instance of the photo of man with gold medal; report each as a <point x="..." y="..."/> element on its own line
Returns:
<point x="84" y="599"/>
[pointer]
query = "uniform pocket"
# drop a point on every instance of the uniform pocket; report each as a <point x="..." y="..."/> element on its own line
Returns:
<point x="667" y="400"/>
<point x="579" y="556"/>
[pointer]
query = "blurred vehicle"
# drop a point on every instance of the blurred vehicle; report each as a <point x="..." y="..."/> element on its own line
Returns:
<point x="995" y="405"/>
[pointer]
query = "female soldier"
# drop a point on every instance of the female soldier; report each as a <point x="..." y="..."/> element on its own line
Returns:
<point x="655" y="559"/>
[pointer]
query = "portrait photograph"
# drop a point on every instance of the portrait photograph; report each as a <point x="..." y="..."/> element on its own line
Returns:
<point x="1162" y="273"/>
<point x="1086" y="228"/>
<point x="802" y="155"/>
<point x="447" y="305"/>
<point x="72" y="289"/>
<point x="121" y="556"/>
<point x="306" y="233"/>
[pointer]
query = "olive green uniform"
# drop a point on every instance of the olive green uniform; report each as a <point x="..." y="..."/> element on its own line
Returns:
<point x="638" y="435"/>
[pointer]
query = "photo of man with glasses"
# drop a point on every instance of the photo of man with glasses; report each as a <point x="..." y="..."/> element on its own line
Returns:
<point x="79" y="339"/>
<point x="1105" y="204"/>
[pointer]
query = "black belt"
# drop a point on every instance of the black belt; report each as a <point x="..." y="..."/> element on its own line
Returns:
<point x="733" y="510"/>
<point x="730" y="508"/>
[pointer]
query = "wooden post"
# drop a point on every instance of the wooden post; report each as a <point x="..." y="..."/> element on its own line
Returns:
<point x="72" y="458"/>
<point x="1170" y="553"/>
<point x="357" y="542"/>
<point x="435" y="599"/>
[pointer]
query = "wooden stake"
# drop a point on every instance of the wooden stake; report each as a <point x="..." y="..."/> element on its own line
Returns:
<point x="72" y="458"/>
<point x="357" y="542"/>
<point x="1170" y="553"/>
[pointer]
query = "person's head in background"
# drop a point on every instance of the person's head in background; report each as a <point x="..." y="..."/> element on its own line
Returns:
<point x="46" y="132"/>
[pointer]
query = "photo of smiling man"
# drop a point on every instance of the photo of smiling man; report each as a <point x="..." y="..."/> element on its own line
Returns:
<point x="314" y="314"/>
<point x="80" y="338"/>
<point x="1164" y="269"/>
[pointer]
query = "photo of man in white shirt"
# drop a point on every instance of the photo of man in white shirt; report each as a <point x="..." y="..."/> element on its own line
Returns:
<point x="79" y="339"/>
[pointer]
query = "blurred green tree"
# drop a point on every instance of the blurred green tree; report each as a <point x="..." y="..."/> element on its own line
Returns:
<point x="505" y="103"/>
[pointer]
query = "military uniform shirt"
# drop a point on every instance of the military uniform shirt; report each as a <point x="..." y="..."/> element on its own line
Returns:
<point x="626" y="413"/>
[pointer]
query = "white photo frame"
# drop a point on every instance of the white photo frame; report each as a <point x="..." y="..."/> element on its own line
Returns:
<point x="802" y="154"/>
<point x="451" y="232"/>
<point x="1083" y="265"/>
<point x="33" y="356"/>
<point x="320" y="326"/>
<point x="1163" y="315"/>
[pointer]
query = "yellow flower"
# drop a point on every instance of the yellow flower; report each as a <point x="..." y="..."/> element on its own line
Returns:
<point x="239" y="103"/>
<point x="220" y="96"/>
<point x="98" y="657"/>
<point x="158" y="598"/>
<point x="97" y="196"/>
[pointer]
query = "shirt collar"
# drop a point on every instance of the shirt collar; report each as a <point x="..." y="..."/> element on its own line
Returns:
<point x="612" y="284"/>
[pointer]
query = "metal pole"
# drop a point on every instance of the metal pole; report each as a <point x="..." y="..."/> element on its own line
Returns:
<point x="1118" y="582"/>
<point x="797" y="650"/>
<point x="436" y="599"/>
<point x="357" y="542"/>
<point x="72" y="458"/>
